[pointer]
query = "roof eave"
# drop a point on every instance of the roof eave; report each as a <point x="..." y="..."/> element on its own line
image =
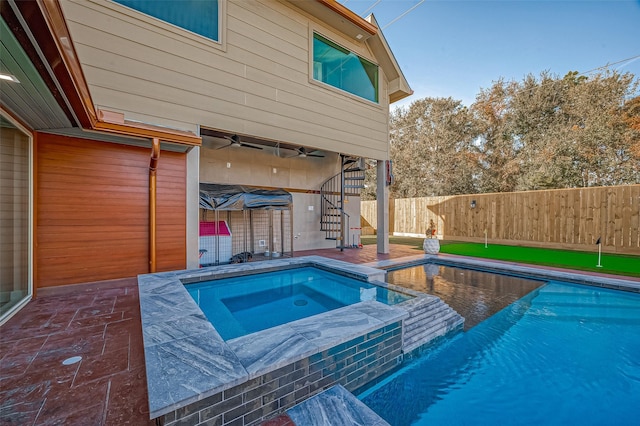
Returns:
<point x="49" y="28"/>
<point x="398" y="85"/>
<point x="339" y="17"/>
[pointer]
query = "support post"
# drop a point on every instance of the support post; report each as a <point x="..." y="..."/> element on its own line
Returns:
<point x="382" y="202"/>
<point x="291" y="227"/>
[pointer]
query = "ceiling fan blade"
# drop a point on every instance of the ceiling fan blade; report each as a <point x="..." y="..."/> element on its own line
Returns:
<point x="223" y="146"/>
<point x="251" y="146"/>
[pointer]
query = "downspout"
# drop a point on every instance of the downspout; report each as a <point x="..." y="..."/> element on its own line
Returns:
<point x="153" y="166"/>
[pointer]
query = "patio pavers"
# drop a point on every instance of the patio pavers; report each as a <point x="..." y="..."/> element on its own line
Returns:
<point x="365" y="254"/>
<point x="101" y="323"/>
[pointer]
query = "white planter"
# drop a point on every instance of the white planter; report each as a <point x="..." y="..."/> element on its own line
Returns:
<point x="431" y="245"/>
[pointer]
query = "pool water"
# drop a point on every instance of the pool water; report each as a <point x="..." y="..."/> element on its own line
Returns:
<point x="565" y="354"/>
<point x="475" y="295"/>
<point x="243" y="305"/>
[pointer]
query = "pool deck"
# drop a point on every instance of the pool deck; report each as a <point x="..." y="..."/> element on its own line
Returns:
<point x="101" y="322"/>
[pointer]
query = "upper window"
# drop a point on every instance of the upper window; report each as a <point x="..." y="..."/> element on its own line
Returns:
<point x="337" y="66"/>
<point x="198" y="16"/>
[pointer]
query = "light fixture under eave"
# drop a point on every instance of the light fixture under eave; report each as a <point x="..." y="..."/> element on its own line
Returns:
<point x="9" y="77"/>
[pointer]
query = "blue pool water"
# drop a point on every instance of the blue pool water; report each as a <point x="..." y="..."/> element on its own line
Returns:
<point x="243" y="305"/>
<point x="564" y="354"/>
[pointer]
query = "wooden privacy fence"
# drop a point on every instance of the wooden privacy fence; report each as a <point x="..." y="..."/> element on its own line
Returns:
<point x="561" y="218"/>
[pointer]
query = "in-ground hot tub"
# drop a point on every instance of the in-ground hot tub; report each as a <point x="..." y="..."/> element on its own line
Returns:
<point x="243" y="305"/>
<point x="195" y="375"/>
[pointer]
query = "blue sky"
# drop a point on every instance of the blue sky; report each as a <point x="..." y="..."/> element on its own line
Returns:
<point x="455" y="47"/>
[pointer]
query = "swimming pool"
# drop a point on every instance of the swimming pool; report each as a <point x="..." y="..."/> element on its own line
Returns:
<point x="243" y="305"/>
<point x="474" y="294"/>
<point x="564" y="354"/>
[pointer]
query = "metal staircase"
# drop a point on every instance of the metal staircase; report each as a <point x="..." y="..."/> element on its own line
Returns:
<point x="349" y="182"/>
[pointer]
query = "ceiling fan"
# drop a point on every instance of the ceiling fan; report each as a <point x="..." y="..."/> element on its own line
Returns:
<point x="302" y="152"/>
<point x="234" y="142"/>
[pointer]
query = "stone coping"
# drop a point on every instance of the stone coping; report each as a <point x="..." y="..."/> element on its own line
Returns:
<point x="335" y="406"/>
<point x="187" y="360"/>
<point x="528" y="271"/>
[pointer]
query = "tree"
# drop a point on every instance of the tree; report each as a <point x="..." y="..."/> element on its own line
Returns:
<point x="539" y="133"/>
<point x="601" y="131"/>
<point x="432" y="148"/>
<point x="498" y="156"/>
<point x="550" y="132"/>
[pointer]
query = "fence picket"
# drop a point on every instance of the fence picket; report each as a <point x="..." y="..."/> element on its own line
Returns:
<point x="561" y="218"/>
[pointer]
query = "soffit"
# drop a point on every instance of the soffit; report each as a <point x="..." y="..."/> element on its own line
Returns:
<point x="31" y="99"/>
<point x="398" y="86"/>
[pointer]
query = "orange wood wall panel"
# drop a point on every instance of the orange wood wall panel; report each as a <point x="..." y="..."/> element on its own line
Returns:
<point x="171" y="251"/>
<point x="92" y="202"/>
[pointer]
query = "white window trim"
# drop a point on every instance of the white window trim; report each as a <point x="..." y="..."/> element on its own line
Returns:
<point x="334" y="89"/>
<point x="220" y="44"/>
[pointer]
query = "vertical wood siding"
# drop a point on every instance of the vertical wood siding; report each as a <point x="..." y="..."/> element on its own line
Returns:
<point x="93" y="208"/>
<point x="171" y="211"/>
<point x="563" y="218"/>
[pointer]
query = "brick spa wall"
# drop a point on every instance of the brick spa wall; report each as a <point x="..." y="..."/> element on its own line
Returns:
<point x="352" y="364"/>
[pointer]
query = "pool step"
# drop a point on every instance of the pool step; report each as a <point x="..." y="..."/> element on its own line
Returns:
<point x="335" y="406"/>
<point x="428" y="319"/>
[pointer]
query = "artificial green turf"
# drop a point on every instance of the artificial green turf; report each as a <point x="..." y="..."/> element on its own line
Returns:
<point x="585" y="261"/>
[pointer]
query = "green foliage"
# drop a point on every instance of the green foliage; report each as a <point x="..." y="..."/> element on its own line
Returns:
<point x="432" y="148"/>
<point x="540" y="133"/>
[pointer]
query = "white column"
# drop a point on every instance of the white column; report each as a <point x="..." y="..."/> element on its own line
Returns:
<point x="382" y="195"/>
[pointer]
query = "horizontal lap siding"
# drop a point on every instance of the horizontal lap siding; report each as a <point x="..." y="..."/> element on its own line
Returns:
<point x="259" y="85"/>
<point x="93" y="209"/>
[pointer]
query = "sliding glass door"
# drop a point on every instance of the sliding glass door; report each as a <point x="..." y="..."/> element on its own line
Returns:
<point x="15" y="217"/>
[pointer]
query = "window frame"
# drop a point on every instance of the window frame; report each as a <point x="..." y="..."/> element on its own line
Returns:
<point x="28" y="133"/>
<point x="312" y="65"/>
<point x="220" y="44"/>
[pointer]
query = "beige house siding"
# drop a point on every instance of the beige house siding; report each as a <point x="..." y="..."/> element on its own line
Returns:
<point x="253" y="167"/>
<point x="256" y="82"/>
